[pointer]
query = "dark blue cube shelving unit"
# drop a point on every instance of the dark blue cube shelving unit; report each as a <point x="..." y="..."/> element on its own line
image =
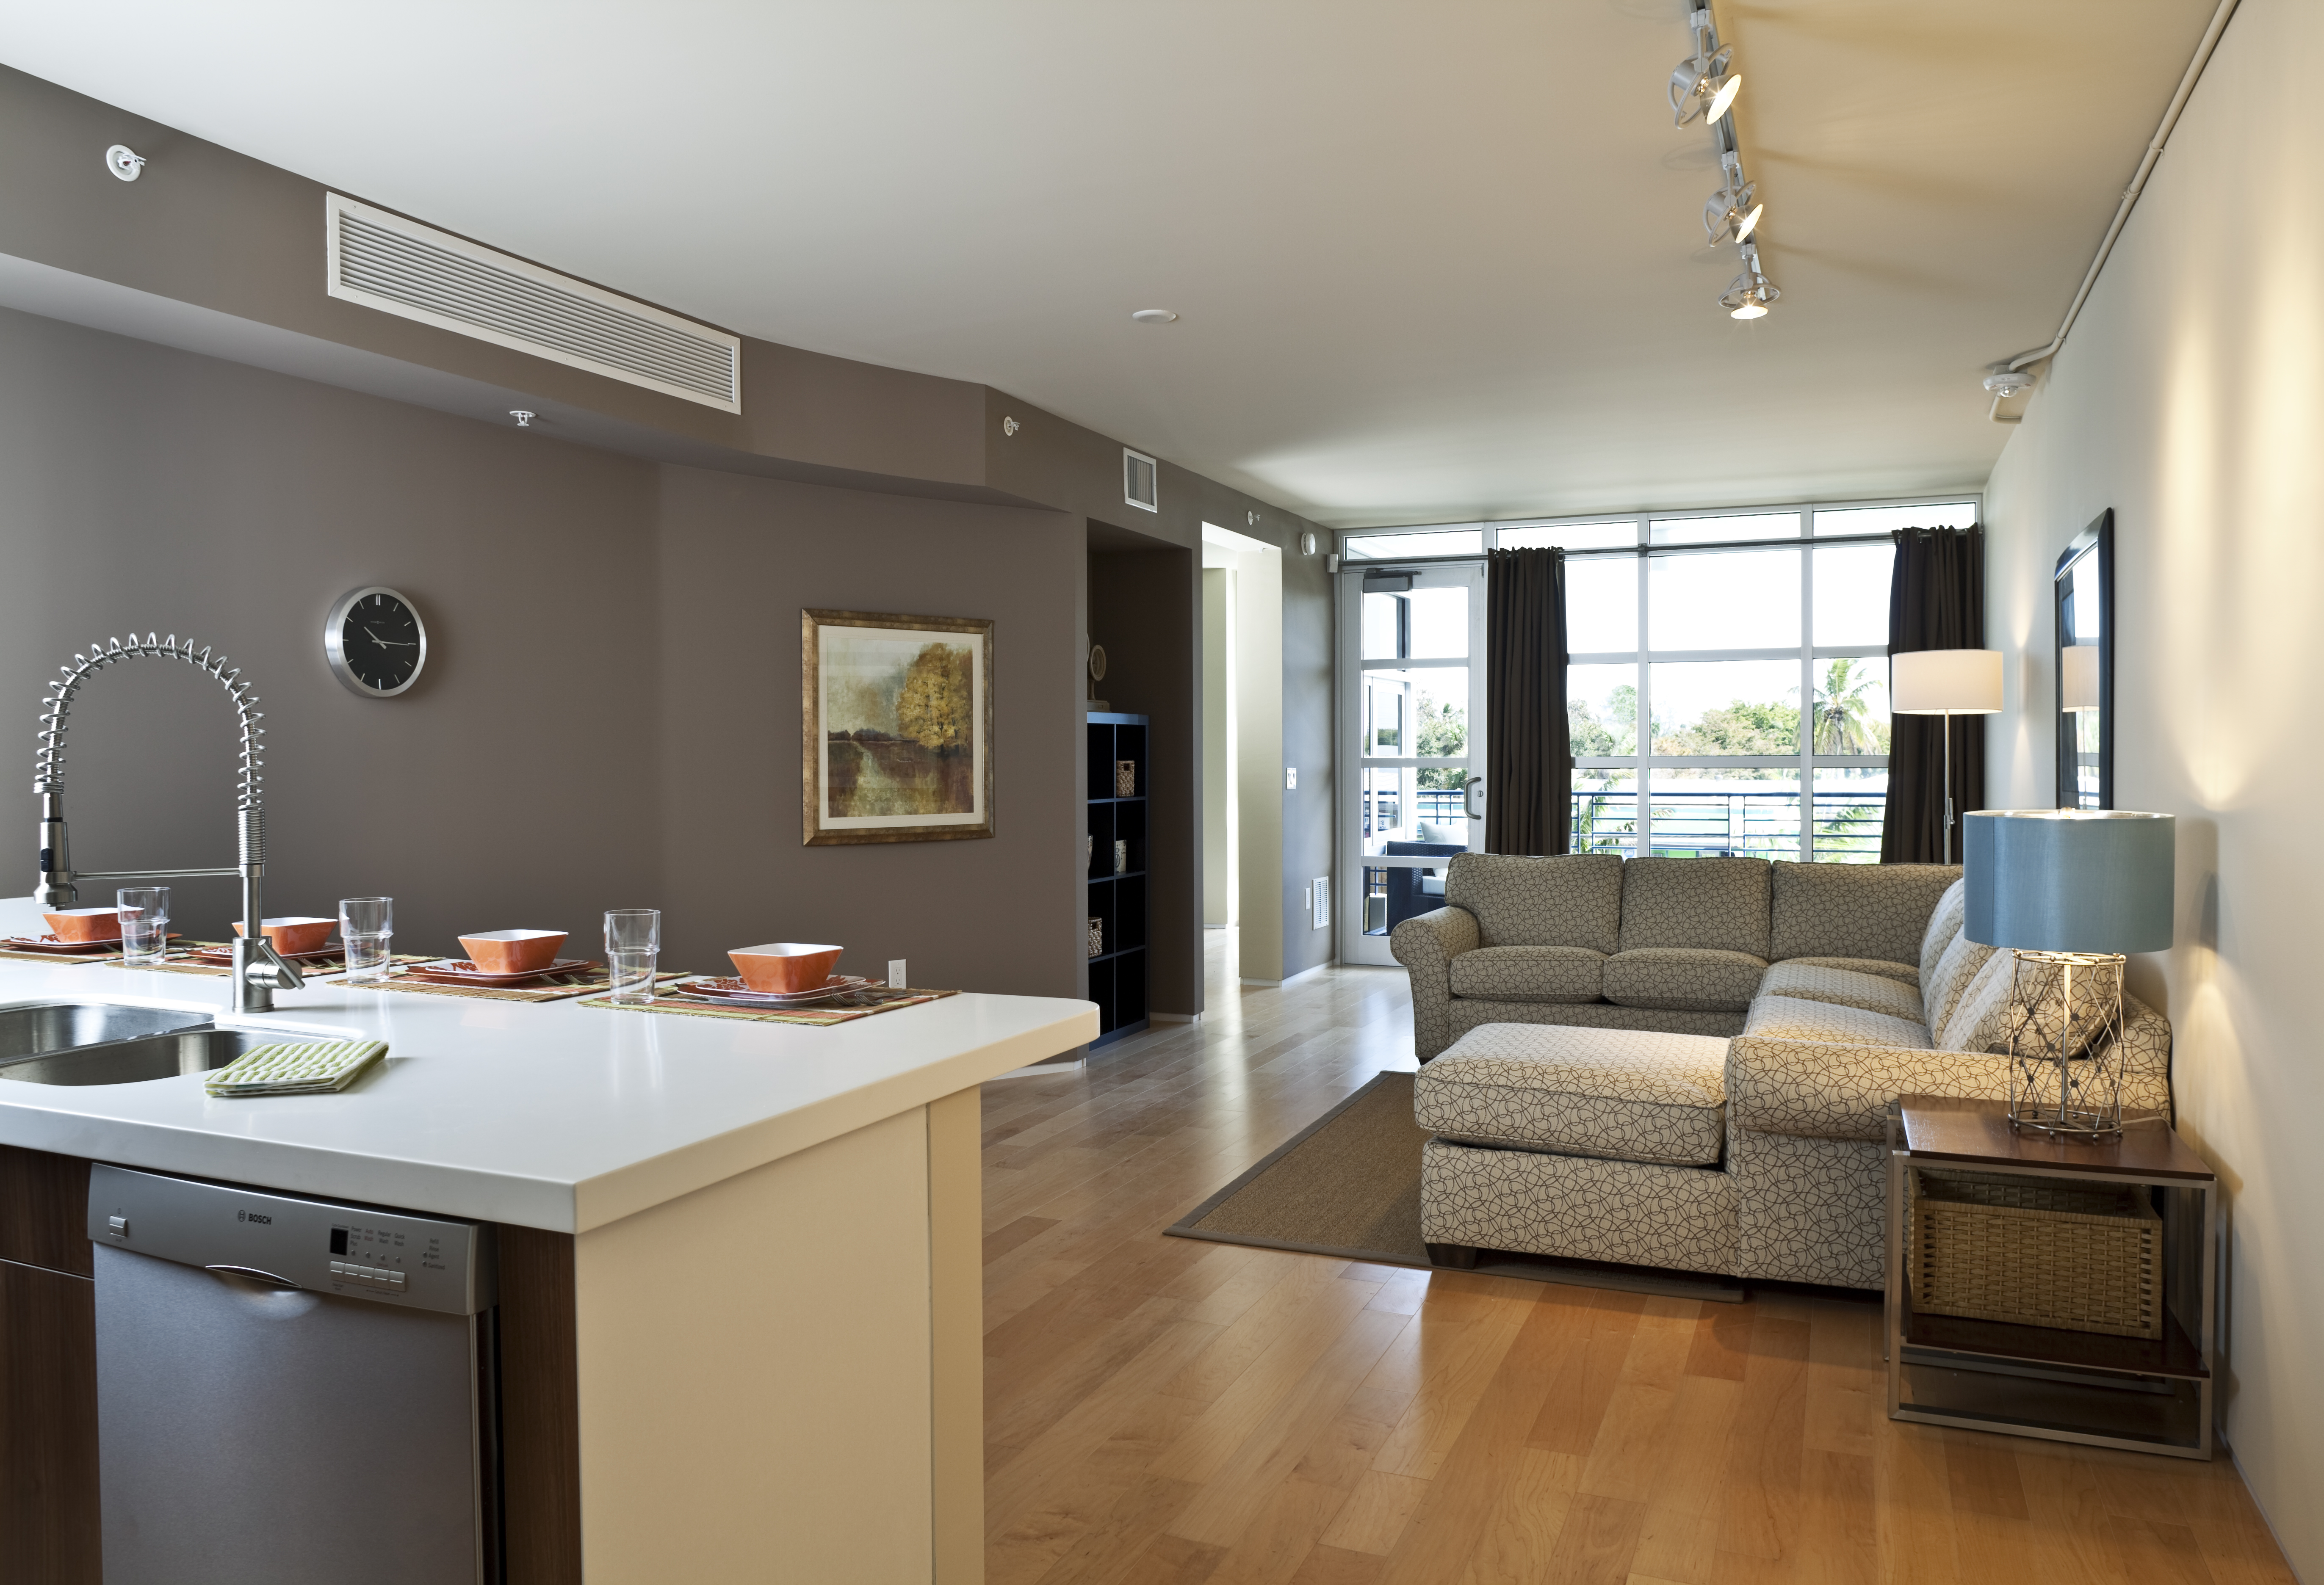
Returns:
<point x="1117" y="897"/>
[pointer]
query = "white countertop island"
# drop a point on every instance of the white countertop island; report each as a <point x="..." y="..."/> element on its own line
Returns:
<point x="740" y="1261"/>
<point x="550" y="1115"/>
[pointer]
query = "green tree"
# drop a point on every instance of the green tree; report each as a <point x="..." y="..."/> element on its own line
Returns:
<point x="1739" y="727"/>
<point x="1844" y="722"/>
<point x="1442" y="734"/>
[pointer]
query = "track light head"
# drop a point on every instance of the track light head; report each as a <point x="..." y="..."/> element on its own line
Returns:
<point x="2006" y="382"/>
<point x="1748" y="295"/>
<point x="1699" y="82"/>
<point x="1730" y="215"/>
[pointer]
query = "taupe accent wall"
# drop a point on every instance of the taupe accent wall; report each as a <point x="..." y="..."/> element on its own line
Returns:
<point x="148" y="489"/>
<point x="738" y="558"/>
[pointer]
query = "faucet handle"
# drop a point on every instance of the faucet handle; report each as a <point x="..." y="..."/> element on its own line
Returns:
<point x="264" y="966"/>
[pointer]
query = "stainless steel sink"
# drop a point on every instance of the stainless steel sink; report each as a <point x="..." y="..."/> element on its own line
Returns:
<point x="59" y="1026"/>
<point x="133" y="1062"/>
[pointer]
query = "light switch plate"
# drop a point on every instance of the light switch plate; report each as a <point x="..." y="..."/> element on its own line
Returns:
<point x="1290" y="777"/>
<point x="1320" y="899"/>
<point x="896" y="980"/>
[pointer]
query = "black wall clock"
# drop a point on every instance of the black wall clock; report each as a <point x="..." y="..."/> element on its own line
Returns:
<point x="375" y="641"/>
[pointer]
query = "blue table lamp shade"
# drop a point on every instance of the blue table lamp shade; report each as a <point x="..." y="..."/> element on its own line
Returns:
<point x="2093" y="881"/>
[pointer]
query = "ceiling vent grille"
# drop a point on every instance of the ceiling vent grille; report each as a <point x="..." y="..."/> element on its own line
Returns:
<point x="399" y="266"/>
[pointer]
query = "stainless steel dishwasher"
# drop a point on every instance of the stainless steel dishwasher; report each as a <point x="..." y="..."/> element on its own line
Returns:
<point x="291" y="1391"/>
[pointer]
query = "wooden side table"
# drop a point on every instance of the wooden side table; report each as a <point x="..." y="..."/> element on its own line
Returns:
<point x="2147" y="1396"/>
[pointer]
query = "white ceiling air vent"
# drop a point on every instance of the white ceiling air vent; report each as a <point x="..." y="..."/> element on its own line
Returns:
<point x="399" y="266"/>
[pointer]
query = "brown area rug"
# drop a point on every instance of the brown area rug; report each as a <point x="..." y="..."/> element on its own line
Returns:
<point x="1348" y="1184"/>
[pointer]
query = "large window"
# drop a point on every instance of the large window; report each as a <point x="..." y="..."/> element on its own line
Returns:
<point x="1728" y="681"/>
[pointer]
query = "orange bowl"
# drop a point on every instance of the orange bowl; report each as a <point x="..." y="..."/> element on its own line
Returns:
<point x="785" y="966"/>
<point x="294" y="932"/>
<point x="512" y="952"/>
<point x="85" y="925"/>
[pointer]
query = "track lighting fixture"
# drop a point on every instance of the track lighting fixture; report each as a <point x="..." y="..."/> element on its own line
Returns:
<point x="1700" y="84"/>
<point x="1705" y="85"/>
<point x="1747" y="296"/>
<point x="1731" y="215"/>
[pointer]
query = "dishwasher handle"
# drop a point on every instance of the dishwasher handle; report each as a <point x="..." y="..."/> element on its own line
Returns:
<point x="254" y="1275"/>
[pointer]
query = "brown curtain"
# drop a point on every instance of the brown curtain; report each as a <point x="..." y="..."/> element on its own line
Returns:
<point x="1936" y="601"/>
<point x="1528" y="751"/>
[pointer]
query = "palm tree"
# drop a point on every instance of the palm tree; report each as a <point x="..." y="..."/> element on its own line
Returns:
<point x="1843" y="722"/>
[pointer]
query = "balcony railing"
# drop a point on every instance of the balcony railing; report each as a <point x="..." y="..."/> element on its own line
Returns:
<point x="1686" y="825"/>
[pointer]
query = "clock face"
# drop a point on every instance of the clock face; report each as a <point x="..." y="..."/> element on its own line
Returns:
<point x="375" y="642"/>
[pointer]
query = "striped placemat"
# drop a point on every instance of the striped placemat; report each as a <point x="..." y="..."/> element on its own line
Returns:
<point x="845" y="1011"/>
<point x="175" y="964"/>
<point x="550" y="988"/>
<point x="112" y="956"/>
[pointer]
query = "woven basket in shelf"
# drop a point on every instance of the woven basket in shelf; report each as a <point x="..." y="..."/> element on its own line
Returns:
<point x="1097" y="938"/>
<point x="1125" y="779"/>
<point x="2055" y="1252"/>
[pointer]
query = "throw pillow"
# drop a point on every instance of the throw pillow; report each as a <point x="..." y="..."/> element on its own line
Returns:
<point x="1980" y="1018"/>
<point x="1944" y="925"/>
<point x="1957" y="965"/>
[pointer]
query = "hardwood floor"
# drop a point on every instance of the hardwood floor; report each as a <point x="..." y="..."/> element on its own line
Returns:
<point x="1165" y="1411"/>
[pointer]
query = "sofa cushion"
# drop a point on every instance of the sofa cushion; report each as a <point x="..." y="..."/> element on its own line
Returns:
<point x="1904" y="972"/>
<point x="1952" y="908"/>
<point x="1956" y="968"/>
<point x="1570" y="900"/>
<point x="1684" y="979"/>
<point x="1979" y="1019"/>
<point x="1717" y="903"/>
<point x="1792" y="1017"/>
<point x="1854" y="910"/>
<point x="1875" y="993"/>
<point x="1626" y="1095"/>
<point x="1528" y="973"/>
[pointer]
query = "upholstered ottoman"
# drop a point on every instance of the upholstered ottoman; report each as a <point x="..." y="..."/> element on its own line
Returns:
<point x="1590" y="1144"/>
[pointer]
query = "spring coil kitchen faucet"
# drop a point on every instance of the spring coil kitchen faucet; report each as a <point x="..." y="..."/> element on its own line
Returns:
<point x="258" y="970"/>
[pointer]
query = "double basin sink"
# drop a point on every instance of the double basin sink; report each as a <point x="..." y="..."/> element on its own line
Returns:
<point x="101" y="1043"/>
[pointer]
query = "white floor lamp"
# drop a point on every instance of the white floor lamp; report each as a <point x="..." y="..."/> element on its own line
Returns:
<point x="1947" y="682"/>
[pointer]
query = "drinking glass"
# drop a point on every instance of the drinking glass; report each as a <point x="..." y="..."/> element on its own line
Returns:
<point x="144" y="923"/>
<point x="632" y="946"/>
<point x="366" y="926"/>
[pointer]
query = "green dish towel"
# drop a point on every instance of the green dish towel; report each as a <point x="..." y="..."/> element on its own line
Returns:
<point x="302" y="1067"/>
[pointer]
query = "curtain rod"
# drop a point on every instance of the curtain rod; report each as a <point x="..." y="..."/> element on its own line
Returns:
<point x="1390" y="564"/>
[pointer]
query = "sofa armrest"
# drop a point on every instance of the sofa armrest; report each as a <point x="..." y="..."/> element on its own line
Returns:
<point x="1426" y="944"/>
<point x="1818" y="1090"/>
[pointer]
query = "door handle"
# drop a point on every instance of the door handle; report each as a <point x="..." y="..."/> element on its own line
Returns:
<point x="251" y="1274"/>
<point x="1468" y="797"/>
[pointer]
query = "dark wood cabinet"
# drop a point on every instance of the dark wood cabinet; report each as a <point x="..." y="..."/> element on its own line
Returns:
<point x="49" y="1531"/>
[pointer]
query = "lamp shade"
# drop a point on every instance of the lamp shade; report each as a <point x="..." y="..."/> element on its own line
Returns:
<point x="2069" y="880"/>
<point x="1932" y="682"/>
<point x="2078" y="676"/>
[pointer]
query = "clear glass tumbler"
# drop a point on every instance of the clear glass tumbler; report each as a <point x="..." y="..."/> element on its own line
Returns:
<point x="144" y="923"/>
<point x="632" y="947"/>
<point x="366" y="927"/>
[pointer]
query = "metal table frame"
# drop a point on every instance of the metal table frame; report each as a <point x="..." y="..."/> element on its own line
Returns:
<point x="2065" y="1365"/>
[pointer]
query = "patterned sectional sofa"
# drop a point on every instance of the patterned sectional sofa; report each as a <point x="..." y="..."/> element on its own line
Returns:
<point x="1687" y="1062"/>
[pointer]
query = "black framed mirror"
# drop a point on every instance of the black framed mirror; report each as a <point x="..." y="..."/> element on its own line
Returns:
<point x="2083" y="591"/>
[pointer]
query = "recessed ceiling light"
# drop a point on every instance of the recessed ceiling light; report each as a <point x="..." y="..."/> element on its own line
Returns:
<point x="1153" y="315"/>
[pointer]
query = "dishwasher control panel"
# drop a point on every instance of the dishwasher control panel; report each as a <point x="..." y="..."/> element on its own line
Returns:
<point x="424" y="1262"/>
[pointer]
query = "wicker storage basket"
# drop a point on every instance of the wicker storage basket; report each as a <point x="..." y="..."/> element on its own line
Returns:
<point x="2035" y="1252"/>
<point x="1125" y="779"/>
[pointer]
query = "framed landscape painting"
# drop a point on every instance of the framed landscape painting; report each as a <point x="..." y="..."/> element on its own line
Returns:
<point x="896" y="714"/>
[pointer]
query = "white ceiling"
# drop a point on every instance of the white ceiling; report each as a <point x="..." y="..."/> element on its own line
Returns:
<point x="1434" y="263"/>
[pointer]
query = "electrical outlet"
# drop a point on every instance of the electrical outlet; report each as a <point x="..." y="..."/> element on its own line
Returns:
<point x="1307" y="899"/>
<point x="1319" y="899"/>
<point x="896" y="973"/>
<point x="1290" y="777"/>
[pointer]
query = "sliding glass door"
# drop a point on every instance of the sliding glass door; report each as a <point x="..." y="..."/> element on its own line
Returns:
<point x="1412" y="759"/>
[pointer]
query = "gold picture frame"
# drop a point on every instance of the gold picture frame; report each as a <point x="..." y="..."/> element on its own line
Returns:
<point x="895" y="727"/>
